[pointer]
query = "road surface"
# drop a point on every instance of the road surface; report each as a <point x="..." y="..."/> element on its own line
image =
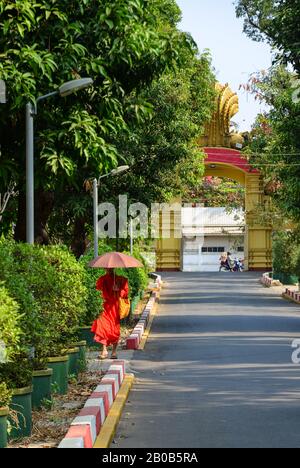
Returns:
<point x="217" y="368"/>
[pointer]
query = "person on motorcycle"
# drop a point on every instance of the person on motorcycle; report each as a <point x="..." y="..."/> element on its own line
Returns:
<point x="223" y="261"/>
<point x="230" y="262"/>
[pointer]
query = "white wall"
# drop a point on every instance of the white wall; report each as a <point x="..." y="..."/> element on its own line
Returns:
<point x="195" y="260"/>
<point x="200" y="226"/>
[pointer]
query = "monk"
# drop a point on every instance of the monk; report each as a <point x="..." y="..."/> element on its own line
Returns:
<point x="107" y="326"/>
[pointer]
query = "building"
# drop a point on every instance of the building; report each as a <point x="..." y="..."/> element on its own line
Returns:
<point x="207" y="232"/>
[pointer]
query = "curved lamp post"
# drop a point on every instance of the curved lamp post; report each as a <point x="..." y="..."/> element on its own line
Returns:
<point x="31" y="111"/>
<point x="96" y="183"/>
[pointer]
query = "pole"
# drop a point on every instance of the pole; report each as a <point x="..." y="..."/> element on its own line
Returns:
<point x="131" y="236"/>
<point x="95" y="210"/>
<point x="29" y="173"/>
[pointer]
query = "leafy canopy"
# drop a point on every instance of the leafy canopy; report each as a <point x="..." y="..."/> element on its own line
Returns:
<point x="278" y="22"/>
<point x="121" y="44"/>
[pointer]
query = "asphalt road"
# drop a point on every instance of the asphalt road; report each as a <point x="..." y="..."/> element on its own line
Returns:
<point x="217" y="369"/>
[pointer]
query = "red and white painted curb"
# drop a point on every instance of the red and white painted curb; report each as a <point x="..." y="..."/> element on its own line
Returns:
<point x="269" y="282"/>
<point x="293" y="295"/>
<point x="134" y="340"/>
<point x="87" y="425"/>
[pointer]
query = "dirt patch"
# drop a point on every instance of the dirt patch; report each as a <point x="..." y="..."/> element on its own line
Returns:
<point x="51" y="424"/>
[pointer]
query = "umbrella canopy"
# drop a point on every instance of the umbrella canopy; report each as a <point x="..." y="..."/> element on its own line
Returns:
<point x="115" y="260"/>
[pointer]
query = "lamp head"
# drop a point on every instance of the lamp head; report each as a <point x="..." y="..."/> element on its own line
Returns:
<point x="119" y="169"/>
<point x="75" y="85"/>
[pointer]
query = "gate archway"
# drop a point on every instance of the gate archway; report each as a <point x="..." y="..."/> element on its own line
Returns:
<point x="224" y="159"/>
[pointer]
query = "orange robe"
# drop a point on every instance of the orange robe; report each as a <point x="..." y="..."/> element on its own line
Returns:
<point x="107" y="326"/>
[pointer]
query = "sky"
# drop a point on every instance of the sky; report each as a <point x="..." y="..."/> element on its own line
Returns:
<point x="214" y="25"/>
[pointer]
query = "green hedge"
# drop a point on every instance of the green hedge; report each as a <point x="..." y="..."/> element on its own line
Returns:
<point x="70" y="300"/>
<point x="5" y="395"/>
<point x="17" y="373"/>
<point x="286" y="253"/>
<point x="45" y="295"/>
<point x="48" y="285"/>
<point x="297" y="266"/>
<point x="10" y="330"/>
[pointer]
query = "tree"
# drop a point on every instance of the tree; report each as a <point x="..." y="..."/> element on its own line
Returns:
<point x="277" y="21"/>
<point x="162" y="151"/>
<point x="274" y="147"/>
<point x="122" y="44"/>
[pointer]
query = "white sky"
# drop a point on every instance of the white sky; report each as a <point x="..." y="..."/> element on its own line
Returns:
<point x="213" y="25"/>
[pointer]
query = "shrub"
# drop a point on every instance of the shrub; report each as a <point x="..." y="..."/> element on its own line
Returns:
<point x="70" y="301"/>
<point x="21" y="288"/>
<point x="9" y="324"/>
<point x="47" y="282"/>
<point x="296" y="269"/>
<point x="5" y="395"/>
<point x="17" y="373"/>
<point x="284" y="253"/>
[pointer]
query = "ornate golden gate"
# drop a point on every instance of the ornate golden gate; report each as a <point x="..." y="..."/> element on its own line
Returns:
<point x="223" y="159"/>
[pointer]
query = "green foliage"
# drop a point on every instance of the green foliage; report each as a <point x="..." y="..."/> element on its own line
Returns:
<point x="68" y="305"/>
<point x="274" y="20"/>
<point x="274" y="146"/>
<point x="296" y="269"/>
<point x="163" y="154"/>
<point x="123" y="45"/>
<point x="47" y="283"/>
<point x="5" y="395"/>
<point x="17" y="373"/>
<point x="13" y="272"/>
<point x="286" y="252"/>
<point x="9" y="324"/>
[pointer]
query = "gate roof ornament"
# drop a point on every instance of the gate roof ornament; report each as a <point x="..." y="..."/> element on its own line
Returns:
<point x="218" y="132"/>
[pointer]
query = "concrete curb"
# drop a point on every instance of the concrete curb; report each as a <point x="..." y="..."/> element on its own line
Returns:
<point x="109" y="428"/>
<point x="269" y="282"/>
<point x="97" y="422"/>
<point x="148" y="329"/>
<point x="290" y="295"/>
<point x="140" y="333"/>
<point x="90" y="424"/>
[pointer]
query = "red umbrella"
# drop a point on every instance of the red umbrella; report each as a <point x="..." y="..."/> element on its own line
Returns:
<point x="115" y="260"/>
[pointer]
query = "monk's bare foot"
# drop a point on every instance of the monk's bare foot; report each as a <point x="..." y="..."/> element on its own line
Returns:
<point x="104" y="353"/>
<point x="103" y="356"/>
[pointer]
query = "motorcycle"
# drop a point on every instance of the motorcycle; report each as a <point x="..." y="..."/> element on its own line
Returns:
<point x="236" y="266"/>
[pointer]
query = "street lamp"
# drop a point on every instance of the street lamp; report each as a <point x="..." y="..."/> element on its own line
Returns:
<point x="31" y="111"/>
<point x="96" y="183"/>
